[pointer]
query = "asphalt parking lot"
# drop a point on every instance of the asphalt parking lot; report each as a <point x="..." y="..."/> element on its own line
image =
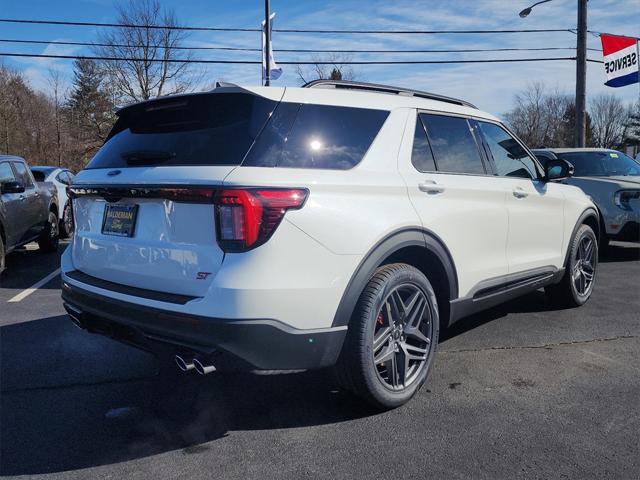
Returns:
<point x="521" y="391"/>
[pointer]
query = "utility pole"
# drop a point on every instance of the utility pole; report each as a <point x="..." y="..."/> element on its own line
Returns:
<point x="581" y="70"/>
<point x="267" y="44"/>
<point x="581" y="75"/>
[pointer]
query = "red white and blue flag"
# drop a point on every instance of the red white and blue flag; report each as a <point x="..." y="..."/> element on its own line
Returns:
<point x="621" y="62"/>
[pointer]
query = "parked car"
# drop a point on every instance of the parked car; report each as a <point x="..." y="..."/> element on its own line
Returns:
<point x="612" y="180"/>
<point x="61" y="178"/>
<point x="338" y="225"/>
<point x="28" y="210"/>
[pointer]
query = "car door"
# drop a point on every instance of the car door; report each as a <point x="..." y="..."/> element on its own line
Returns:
<point x="11" y="203"/>
<point x="34" y="211"/>
<point x="455" y="196"/>
<point x="536" y="207"/>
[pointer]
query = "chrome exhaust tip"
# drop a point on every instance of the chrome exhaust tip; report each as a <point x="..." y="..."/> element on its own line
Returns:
<point x="184" y="365"/>
<point x="201" y="368"/>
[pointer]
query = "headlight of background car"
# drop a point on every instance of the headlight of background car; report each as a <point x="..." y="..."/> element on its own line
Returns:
<point x="623" y="197"/>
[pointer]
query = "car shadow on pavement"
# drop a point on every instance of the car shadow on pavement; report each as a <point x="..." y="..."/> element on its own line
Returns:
<point x="72" y="400"/>
<point x="620" y="252"/>
<point x="28" y="265"/>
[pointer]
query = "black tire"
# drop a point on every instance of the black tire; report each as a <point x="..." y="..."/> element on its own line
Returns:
<point x="357" y="371"/>
<point x="576" y="285"/>
<point x="2" y="256"/>
<point x="50" y="237"/>
<point x="66" y="222"/>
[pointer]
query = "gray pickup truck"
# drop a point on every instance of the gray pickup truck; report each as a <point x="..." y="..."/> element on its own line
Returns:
<point x="28" y="210"/>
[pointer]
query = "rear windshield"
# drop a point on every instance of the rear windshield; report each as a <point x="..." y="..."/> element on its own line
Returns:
<point x="213" y="129"/>
<point x="316" y="136"/>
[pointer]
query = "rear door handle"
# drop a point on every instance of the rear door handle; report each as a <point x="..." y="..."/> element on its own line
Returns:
<point x="519" y="192"/>
<point x="430" y="186"/>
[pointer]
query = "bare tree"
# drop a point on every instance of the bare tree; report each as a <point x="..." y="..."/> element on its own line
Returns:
<point x="539" y="115"/>
<point x="145" y="67"/>
<point x="609" y="117"/>
<point x="57" y="98"/>
<point x="333" y="67"/>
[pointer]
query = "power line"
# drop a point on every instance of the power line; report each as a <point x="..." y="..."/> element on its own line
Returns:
<point x="281" y="30"/>
<point x="297" y="50"/>
<point x="255" y="62"/>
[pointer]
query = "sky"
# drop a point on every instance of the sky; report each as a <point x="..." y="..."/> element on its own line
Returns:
<point x="491" y="87"/>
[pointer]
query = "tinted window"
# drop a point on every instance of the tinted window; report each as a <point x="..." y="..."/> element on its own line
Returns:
<point x="23" y="174"/>
<point x="6" y="173"/>
<point x="421" y="155"/>
<point x="316" y="136"/>
<point x="212" y="129"/>
<point x="38" y="175"/>
<point x="511" y="160"/>
<point x="71" y="176"/>
<point x="454" y="148"/>
<point x="601" y="164"/>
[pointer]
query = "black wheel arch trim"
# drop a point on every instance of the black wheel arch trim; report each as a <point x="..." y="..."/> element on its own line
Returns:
<point x="392" y="243"/>
<point x="588" y="212"/>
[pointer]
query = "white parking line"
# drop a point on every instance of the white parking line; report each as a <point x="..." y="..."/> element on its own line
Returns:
<point x="25" y="293"/>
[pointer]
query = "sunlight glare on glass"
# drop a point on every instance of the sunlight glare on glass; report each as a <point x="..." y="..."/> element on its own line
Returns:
<point x="315" y="145"/>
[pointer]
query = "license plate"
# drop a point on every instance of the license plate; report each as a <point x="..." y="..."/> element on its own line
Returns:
<point x="119" y="220"/>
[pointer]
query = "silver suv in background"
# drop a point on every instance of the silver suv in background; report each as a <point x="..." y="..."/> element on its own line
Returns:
<point x="612" y="180"/>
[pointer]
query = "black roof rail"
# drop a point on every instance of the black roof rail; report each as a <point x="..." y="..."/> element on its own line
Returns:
<point x="374" y="87"/>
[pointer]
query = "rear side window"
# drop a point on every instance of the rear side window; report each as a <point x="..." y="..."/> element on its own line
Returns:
<point x="316" y="136"/>
<point x="454" y="147"/>
<point x="23" y="174"/>
<point x="6" y="173"/>
<point x="421" y="155"/>
<point x="511" y="160"/>
<point x="211" y="129"/>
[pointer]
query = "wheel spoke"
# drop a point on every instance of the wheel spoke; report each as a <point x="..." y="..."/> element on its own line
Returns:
<point x="385" y="355"/>
<point x="397" y="306"/>
<point x="381" y="337"/>
<point x="416" y="312"/>
<point x="394" y="370"/>
<point x="587" y="275"/>
<point x="416" y="333"/>
<point x="588" y="252"/>
<point x="412" y="352"/>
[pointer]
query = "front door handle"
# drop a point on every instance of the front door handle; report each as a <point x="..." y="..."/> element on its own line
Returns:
<point x="21" y="197"/>
<point x="519" y="192"/>
<point x="431" y="187"/>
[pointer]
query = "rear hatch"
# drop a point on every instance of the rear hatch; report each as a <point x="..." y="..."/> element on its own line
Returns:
<point x="143" y="206"/>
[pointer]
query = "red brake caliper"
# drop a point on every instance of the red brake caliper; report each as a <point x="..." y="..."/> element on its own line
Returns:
<point x="380" y="319"/>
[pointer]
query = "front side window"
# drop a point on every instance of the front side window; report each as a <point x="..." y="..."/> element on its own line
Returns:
<point x="454" y="148"/>
<point x="6" y="173"/>
<point x="421" y="155"/>
<point x="316" y="136"/>
<point x="23" y="174"/>
<point x="511" y="160"/>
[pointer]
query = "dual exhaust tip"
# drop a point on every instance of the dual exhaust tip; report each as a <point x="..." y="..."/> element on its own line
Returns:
<point x="200" y="366"/>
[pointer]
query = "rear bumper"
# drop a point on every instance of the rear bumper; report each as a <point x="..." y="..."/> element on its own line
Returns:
<point x="255" y="344"/>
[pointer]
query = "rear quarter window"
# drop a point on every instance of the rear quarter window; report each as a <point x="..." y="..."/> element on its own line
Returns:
<point x="316" y="136"/>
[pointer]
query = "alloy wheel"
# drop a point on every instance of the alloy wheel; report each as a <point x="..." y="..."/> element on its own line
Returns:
<point x="402" y="337"/>
<point x="584" y="267"/>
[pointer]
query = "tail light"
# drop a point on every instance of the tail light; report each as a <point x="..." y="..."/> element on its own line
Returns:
<point x="247" y="217"/>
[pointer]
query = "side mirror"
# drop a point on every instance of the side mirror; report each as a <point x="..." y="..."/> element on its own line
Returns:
<point x="12" y="187"/>
<point x="557" y="169"/>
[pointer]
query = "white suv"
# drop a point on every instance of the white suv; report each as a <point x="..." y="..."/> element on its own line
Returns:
<point x="338" y="225"/>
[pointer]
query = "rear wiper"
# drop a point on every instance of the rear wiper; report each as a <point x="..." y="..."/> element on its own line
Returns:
<point x="146" y="157"/>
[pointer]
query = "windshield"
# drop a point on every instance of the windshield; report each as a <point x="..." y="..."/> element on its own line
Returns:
<point x="211" y="129"/>
<point x="601" y="164"/>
